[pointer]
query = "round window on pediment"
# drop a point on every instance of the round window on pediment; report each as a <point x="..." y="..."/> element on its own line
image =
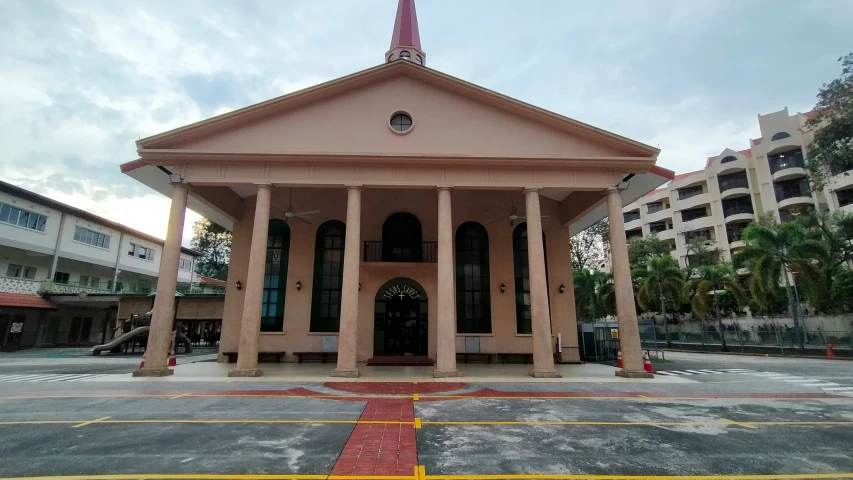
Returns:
<point x="401" y="122"/>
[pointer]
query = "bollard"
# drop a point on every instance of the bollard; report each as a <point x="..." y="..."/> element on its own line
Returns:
<point x="830" y="352"/>
<point x="619" y="358"/>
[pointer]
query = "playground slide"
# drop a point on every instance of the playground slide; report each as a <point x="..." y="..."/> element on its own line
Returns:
<point x="117" y="342"/>
<point x="120" y="340"/>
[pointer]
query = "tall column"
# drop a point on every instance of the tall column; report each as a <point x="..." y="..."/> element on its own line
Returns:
<point x="250" y="324"/>
<point x="348" y="332"/>
<point x="445" y="362"/>
<point x="540" y="311"/>
<point x="626" y="309"/>
<point x="163" y="313"/>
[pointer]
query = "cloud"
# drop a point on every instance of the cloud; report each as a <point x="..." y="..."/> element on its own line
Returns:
<point x="82" y="80"/>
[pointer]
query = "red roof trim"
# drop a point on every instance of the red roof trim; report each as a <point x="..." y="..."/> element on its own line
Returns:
<point x="132" y="165"/>
<point x="662" y="172"/>
<point x="22" y="300"/>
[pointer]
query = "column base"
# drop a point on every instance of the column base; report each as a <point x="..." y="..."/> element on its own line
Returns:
<point x="153" y="372"/>
<point x="640" y="374"/>
<point x="345" y="372"/>
<point x="246" y="372"/>
<point x="551" y="374"/>
<point x="446" y="373"/>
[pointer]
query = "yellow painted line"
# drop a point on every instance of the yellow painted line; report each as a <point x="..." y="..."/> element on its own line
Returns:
<point x="421" y="472"/>
<point x="749" y="425"/>
<point x="97" y="420"/>
<point x="415" y="397"/>
<point x="417" y="422"/>
<point x="181" y="396"/>
<point x="40" y="422"/>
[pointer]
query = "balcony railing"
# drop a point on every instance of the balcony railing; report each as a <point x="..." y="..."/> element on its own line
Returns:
<point x="630" y="217"/>
<point x="786" y="160"/>
<point x="737" y="210"/>
<point x="655" y="207"/>
<point x="729" y="183"/>
<point x="374" y="252"/>
<point x="785" y="191"/>
<point x="47" y="287"/>
<point x="19" y="285"/>
<point x="685" y="193"/>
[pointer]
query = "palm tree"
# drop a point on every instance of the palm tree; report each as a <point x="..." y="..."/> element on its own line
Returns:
<point x="659" y="280"/>
<point x="594" y="294"/>
<point x="773" y="251"/>
<point x="713" y="280"/>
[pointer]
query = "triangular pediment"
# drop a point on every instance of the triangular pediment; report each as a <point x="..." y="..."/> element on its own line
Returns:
<point x="350" y="116"/>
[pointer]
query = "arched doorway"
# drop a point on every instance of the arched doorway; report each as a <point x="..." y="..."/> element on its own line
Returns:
<point x="401" y="238"/>
<point x="400" y="318"/>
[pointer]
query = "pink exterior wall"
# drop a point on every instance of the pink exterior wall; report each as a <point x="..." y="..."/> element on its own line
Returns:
<point x="377" y="205"/>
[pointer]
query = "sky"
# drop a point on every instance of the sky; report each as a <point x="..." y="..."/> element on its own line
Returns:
<point x="81" y="80"/>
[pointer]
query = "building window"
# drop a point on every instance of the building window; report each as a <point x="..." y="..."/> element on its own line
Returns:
<point x="405" y="55"/>
<point x="631" y="216"/>
<point x="791" y="213"/>
<point x="473" y="298"/>
<point x="275" y="276"/>
<point x="733" y="180"/>
<point x="81" y="328"/>
<point x="87" y="281"/>
<point x="789" y="159"/>
<point x="693" y="214"/>
<point x="185" y="264"/>
<point x="402" y="238"/>
<point x="735" y="230"/>
<point x="22" y="218"/>
<point x="139" y="251"/>
<point x="657" y="227"/>
<point x="780" y="136"/>
<point x="703" y="235"/>
<point x="61" y="277"/>
<point x="401" y="122"/>
<point x="798" y="187"/>
<point x="91" y="237"/>
<point x="523" y="317"/>
<point x="737" y="206"/>
<point x="729" y="158"/>
<point x="419" y="60"/>
<point x="654" y="207"/>
<point x="21" y="271"/>
<point x="845" y="197"/>
<point x="328" y="277"/>
<point x="687" y="192"/>
<point x="632" y="234"/>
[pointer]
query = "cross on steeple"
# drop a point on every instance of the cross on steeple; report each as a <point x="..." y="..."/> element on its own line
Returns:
<point x="406" y="41"/>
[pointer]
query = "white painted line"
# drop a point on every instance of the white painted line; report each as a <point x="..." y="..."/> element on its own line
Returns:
<point x="39" y="378"/>
<point x="21" y="379"/>
<point x="839" y="389"/>
<point x="709" y="371"/>
<point x="668" y="373"/>
<point x="679" y="372"/>
<point x="60" y="378"/>
<point x="696" y="372"/>
<point x="824" y="384"/>
<point x="800" y="380"/>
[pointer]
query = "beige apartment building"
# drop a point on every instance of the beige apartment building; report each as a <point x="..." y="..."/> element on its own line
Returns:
<point x="719" y="201"/>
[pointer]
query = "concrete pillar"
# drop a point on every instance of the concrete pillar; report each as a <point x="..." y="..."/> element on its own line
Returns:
<point x="626" y="309"/>
<point x="348" y="332"/>
<point x="250" y="324"/>
<point x="163" y="315"/>
<point x="445" y="362"/>
<point x="540" y="311"/>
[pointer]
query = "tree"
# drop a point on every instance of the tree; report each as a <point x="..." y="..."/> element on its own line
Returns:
<point x="213" y="242"/>
<point x="773" y="251"/>
<point x="594" y="294"/>
<point x="590" y="247"/>
<point x="831" y="150"/>
<point x="835" y="232"/>
<point x="640" y="250"/>
<point x="714" y="280"/>
<point x="700" y="252"/>
<point x="660" y="280"/>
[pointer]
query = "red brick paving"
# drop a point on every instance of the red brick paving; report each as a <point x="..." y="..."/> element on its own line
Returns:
<point x="395" y="388"/>
<point x="384" y="449"/>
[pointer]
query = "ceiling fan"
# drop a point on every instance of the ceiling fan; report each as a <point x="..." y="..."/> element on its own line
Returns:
<point x="301" y="216"/>
<point x="514" y="216"/>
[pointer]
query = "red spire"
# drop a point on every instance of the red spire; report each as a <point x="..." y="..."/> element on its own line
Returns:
<point x="406" y="26"/>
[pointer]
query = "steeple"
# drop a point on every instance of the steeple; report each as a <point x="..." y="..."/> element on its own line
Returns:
<point x="406" y="41"/>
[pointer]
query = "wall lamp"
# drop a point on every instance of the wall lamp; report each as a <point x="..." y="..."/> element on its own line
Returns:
<point x="176" y="179"/>
<point x="562" y="288"/>
<point x="503" y="288"/>
<point x="298" y="285"/>
<point x="238" y="284"/>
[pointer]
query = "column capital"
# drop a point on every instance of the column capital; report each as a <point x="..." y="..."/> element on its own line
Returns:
<point x="263" y="185"/>
<point x="444" y="188"/>
<point x="532" y="189"/>
<point x="612" y="189"/>
<point x="355" y="187"/>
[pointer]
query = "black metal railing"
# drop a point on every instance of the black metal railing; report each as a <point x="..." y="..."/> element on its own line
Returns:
<point x="735" y="180"/>
<point x="792" y="189"/>
<point x="685" y="193"/>
<point x="737" y="210"/>
<point x="374" y="252"/>
<point x="782" y="161"/>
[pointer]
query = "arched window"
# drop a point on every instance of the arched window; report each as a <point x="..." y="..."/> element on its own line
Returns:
<point x="390" y="57"/>
<point x="405" y="55"/>
<point x="473" y="300"/>
<point x="401" y="238"/>
<point x="328" y="277"/>
<point x="523" y="317"/>
<point x="780" y="136"/>
<point x="419" y="60"/>
<point x="275" y="276"/>
<point x="730" y="158"/>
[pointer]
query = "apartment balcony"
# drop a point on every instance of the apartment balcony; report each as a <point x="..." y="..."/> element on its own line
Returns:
<point x="783" y="144"/>
<point x="19" y="285"/>
<point x="789" y="173"/>
<point x="800" y="199"/>
<point x="665" y="234"/>
<point x="739" y="213"/>
<point x="842" y="180"/>
<point x="664" y="214"/>
<point x="738" y="165"/>
<point x="638" y="223"/>
<point x="143" y="288"/>
<point x="736" y="244"/>
<point x="735" y="192"/>
<point x="694" y="201"/>
<point x="699" y="223"/>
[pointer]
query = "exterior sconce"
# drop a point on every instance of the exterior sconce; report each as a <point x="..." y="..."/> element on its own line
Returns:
<point x="176" y="179"/>
<point x="298" y="285"/>
<point x="562" y="288"/>
<point x="623" y="185"/>
<point x="239" y="285"/>
<point x="503" y="288"/>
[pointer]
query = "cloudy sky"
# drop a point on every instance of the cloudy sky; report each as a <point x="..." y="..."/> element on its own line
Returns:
<point x="81" y="80"/>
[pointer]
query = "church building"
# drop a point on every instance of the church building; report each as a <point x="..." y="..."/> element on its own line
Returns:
<point x="397" y="212"/>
